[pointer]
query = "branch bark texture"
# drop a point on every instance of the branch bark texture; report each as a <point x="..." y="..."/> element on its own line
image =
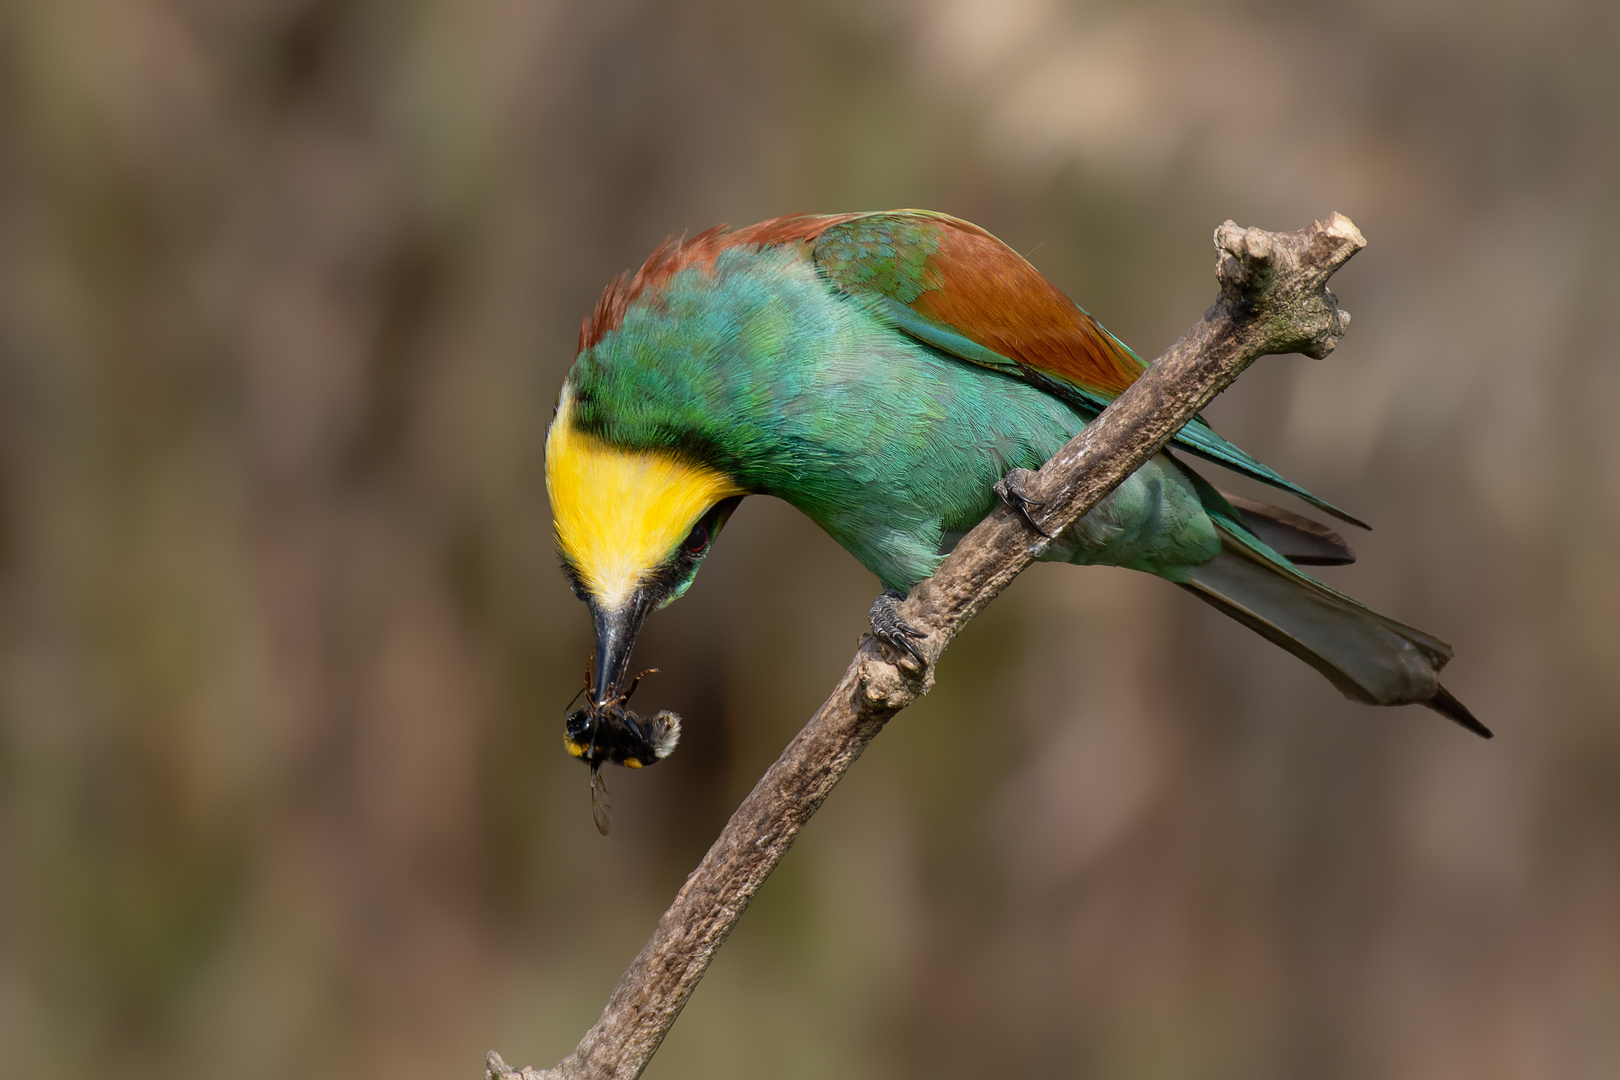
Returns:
<point x="1273" y="299"/>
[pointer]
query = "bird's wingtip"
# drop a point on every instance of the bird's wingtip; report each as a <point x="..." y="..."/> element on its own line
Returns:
<point x="1448" y="706"/>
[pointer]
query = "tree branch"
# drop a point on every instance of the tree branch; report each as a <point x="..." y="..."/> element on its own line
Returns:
<point x="1273" y="299"/>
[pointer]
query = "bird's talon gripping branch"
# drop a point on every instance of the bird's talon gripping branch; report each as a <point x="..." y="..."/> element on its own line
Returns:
<point x="889" y="628"/>
<point x="1013" y="491"/>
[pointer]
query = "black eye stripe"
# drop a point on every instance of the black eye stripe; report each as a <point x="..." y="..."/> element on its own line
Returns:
<point x="679" y="568"/>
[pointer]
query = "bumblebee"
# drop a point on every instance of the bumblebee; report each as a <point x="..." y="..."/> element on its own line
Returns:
<point x="599" y="734"/>
<point x="615" y="734"/>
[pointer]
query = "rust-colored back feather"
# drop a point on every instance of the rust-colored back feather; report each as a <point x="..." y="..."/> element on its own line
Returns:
<point x="992" y="295"/>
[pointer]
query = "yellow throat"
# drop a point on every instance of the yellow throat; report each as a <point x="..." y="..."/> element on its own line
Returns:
<point x="619" y="514"/>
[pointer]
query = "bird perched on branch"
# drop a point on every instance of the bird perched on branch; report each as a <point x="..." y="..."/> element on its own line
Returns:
<point x="883" y="372"/>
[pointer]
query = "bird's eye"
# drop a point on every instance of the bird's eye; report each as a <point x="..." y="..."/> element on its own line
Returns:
<point x="697" y="541"/>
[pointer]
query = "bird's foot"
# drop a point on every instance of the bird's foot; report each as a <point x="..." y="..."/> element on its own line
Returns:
<point x="889" y="628"/>
<point x="1013" y="490"/>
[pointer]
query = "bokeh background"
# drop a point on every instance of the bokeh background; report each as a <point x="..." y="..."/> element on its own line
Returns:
<point x="287" y="288"/>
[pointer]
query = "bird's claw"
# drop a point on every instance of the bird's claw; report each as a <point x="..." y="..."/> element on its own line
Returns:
<point x="889" y="628"/>
<point x="1013" y="490"/>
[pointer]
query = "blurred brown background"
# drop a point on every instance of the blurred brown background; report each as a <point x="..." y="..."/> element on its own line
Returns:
<point x="288" y="287"/>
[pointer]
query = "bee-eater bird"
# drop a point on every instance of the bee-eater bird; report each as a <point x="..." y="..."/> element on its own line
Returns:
<point x="882" y="372"/>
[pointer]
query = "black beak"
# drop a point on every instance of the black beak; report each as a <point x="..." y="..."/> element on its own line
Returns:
<point x="616" y="632"/>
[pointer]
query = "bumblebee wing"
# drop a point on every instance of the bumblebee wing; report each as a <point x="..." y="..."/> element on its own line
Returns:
<point x="601" y="805"/>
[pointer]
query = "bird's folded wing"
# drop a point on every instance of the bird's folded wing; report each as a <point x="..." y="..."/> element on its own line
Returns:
<point x="953" y="286"/>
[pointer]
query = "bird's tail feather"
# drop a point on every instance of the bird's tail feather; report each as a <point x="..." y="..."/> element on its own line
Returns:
<point x="1370" y="658"/>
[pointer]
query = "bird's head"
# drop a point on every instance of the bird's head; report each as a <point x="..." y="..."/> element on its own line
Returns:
<point x="632" y="527"/>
